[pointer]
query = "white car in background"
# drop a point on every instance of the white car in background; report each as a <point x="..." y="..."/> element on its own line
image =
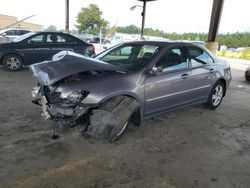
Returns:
<point x="11" y="33"/>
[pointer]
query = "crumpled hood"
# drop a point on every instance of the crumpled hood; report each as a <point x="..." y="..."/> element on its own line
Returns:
<point x="67" y="63"/>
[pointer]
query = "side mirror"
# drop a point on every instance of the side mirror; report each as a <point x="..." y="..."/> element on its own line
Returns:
<point x="155" y="70"/>
<point x="4" y="34"/>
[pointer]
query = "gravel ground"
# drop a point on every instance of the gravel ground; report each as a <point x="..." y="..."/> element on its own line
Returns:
<point x="192" y="147"/>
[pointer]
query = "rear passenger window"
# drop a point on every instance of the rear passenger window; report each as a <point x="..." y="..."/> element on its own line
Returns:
<point x="22" y="32"/>
<point x="199" y="57"/>
<point x="174" y="59"/>
<point x="66" y="39"/>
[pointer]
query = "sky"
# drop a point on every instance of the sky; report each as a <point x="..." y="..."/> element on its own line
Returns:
<point x="168" y="15"/>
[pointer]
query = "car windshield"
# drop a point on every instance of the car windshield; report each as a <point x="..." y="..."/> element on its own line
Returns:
<point x="130" y="56"/>
<point x="22" y="37"/>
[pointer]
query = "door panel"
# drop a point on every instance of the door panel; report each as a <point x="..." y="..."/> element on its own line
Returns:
<point x="169" y="88"/>
<point x="166" y="91"/>
<point x="201" y="81"/>
<point x="36" y="49"/>
<point x="203" y="74"/>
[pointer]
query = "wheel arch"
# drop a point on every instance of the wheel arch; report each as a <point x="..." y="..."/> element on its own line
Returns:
<point x="9" y="53"/>
<point x="224" y="83"/>
<point x="138" y="115"/>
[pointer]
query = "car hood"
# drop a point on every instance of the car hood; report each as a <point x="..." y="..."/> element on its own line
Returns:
<point x="65" y="64"/>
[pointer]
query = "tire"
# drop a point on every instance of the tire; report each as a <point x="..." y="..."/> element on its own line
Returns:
<point x="111" y="120"/>
<point x="12" y="62"/>
<point x="216" y="95"/>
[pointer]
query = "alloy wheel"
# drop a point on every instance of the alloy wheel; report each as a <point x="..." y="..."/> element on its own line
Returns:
<point x="218" y="95"/>
<point x="13" y="63"/>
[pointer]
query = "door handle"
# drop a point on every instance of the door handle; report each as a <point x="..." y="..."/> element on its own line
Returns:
<point x="184" y="76"/>
<point x="211" y="70"/>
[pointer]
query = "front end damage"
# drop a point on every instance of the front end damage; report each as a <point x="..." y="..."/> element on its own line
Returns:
<point x="64" y="101"/>
<point x="65" y="109"/>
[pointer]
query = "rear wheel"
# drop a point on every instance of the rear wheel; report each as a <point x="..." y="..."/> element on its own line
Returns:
<point x="12" y="62"/>
<point x="216" y="95"/>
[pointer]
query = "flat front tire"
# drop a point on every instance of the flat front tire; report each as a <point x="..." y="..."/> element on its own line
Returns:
<point x="12" y="62"/>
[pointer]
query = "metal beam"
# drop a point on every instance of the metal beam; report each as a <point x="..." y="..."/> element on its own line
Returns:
<point x="215" y="19"/>
<point x="143" y="18"/>
<point x="66" y="16"/>
<point x="143" y="14"/>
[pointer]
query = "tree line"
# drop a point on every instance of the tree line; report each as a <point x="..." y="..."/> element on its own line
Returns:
<point x="89" y="20"/>
<point x="231" y="40"/>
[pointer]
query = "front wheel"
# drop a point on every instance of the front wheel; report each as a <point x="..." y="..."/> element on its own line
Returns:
<point x="216" y="95"/>
<point x="12" y="62"/>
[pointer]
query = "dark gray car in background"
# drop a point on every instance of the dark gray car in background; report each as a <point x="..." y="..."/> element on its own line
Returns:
<point x="35" y="47"/>
<point x="128" y="82"/>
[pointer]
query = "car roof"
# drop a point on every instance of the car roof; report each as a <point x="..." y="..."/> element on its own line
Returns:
<point x="9" y="29"/>
<point x="169" y="43"/>
<point x="51" y="32"/>
<point x="160" y="43"/>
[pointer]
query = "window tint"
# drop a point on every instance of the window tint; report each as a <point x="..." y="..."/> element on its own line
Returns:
<point x="36" y="39"/>
<point x="53" y="38"/>
<point x="199" y="57"/>
<point x="22" y="32"/>
<point x="11" y="32"/>
<point x="174" y="59"/>
<point x="132" y="57"/>
<point x="61" y="39"/>
<point x="210" y="59"/>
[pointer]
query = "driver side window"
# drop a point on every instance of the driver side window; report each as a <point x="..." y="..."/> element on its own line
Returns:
<point x="174" y="59"/>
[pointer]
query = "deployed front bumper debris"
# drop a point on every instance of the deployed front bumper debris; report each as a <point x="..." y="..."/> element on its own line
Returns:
<point x="110" y="120"/>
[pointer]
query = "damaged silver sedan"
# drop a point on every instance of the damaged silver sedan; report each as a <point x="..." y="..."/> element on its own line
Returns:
<point x="128" y="82"/>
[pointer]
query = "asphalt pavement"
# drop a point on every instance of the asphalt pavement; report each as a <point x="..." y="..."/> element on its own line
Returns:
<point x="192" y="147"/>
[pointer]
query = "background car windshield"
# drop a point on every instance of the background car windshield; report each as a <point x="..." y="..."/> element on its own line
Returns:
<point x="18" y="39"/>
<point x="131" y="57"/>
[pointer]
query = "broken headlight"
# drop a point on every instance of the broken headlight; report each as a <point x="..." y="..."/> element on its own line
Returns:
<point x="35" y="92"/>
<point x="74" y="96"/>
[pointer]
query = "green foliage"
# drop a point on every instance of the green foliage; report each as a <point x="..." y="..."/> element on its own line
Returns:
<point x="89" y="20"/>
<point x="245" y="54"/>
<point x="51" y="28"/>
<point x="131" y="29"/>
<point x="231" y="40"/>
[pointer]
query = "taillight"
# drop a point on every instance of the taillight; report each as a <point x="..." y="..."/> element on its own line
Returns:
<point x="92" y="48"/>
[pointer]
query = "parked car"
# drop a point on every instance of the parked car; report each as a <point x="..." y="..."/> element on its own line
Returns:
<point x="89" y="38"/>
<point x="36" y="47"/>
<point x="11" y="33"/>
<point x="104" y="39"/>
<point x="128" y="82"/>
<point x="247" y="74"/>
